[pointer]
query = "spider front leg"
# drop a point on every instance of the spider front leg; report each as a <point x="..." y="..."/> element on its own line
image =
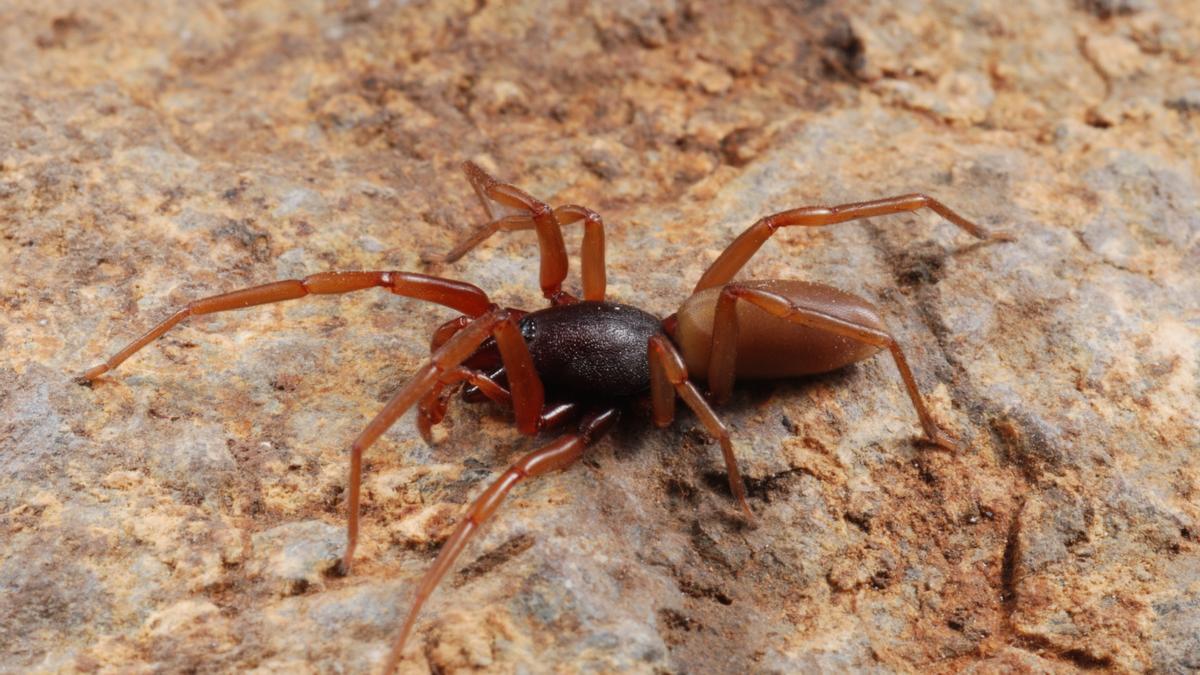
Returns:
<point x="464" y="297"/>
<point x="525" y="388"/>
<point x="668" y="377"/>
<point x="553" y="456"/>
<point x="723" y="356"/>
<point x="591" y="255"/>
<point x="511" y="209"/>
<point x="733" y="258"/>
<point x="432" y="409"/>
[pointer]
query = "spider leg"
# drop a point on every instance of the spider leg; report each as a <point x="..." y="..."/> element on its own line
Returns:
<point x="510" y="209"/>
<point x="525" y="388"/>
<point x="733" y="258"/>
<point x="502" y="199"/>
<point x="458" y="295"/>
<point x="558" y="454"/>
<point x="511" y="223"/>
<point x="591" y="252"/>
<point x="432" y="409"/>
<point x="724" y="351"/>
<point x="668" y="376"/>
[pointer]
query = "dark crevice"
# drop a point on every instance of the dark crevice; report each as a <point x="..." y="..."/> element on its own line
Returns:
<point x="677" y="621"/>
<point x="1076" y="657"/>
<point x="695" y="590"/>
<point x="1086" y="661"/>
<point x="761" y="489"/>
<point x="844" y="54"/>
<point x="1009" y="599"/>
<point x="1107" y="9"/>
<point x="1008" y="570"/>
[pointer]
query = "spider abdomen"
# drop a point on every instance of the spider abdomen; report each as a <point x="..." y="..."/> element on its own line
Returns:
<point x="770" y="347"/>
<point x="591" y="350"/>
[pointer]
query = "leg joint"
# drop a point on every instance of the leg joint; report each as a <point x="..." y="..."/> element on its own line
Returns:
<point x="539" y="209"/>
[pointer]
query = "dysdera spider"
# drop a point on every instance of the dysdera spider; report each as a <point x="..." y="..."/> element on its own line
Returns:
<point x="584" y="359"/>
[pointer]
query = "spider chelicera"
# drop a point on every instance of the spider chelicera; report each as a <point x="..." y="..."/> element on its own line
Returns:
<point x="582" y="360"/>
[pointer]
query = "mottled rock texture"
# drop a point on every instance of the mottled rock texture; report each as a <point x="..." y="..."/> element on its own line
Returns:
<point x="185" y="513"/>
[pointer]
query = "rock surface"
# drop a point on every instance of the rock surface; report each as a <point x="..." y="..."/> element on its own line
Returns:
<point x="185" y="513"/>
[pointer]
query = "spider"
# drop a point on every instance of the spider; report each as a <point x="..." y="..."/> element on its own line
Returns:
<point x="583" y="359"/>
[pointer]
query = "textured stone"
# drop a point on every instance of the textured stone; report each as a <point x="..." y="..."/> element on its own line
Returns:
<point x="185" y="512"/>
<point x="295" y="556"/>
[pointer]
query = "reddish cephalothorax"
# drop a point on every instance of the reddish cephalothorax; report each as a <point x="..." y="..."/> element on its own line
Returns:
<point x="581" y="360"/>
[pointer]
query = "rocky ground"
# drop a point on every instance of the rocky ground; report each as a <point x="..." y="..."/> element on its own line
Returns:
<point x="186" y="512"/>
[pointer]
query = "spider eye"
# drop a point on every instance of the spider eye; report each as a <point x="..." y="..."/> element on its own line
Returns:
<point x="528" y="330"/>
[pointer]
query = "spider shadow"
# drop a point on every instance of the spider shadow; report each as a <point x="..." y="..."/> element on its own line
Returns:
<point x="691" y="477"/>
